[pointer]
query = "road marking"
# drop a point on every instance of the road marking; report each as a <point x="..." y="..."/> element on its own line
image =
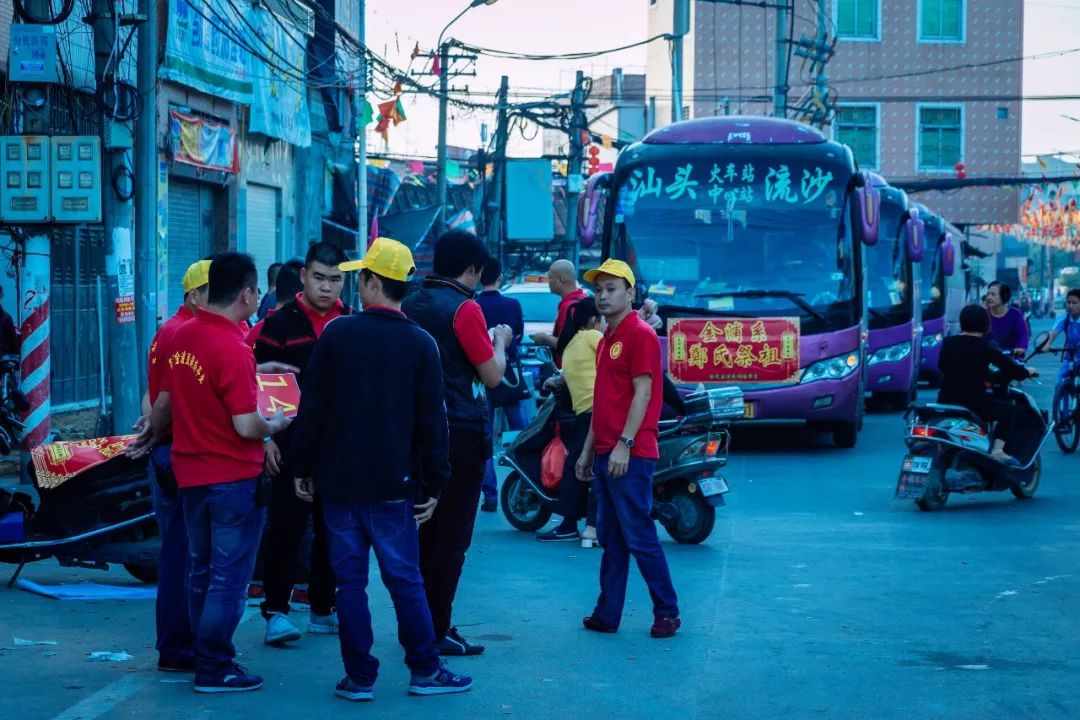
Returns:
<point x="105" y="699"/>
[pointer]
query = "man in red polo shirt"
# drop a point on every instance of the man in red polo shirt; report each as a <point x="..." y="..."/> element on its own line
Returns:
<point x="621" y="452"/>
<point x="208" y="399"/>
<point x="174" y="639"/>
<point x="289" y="336"/>
<point x="562" y="281"/>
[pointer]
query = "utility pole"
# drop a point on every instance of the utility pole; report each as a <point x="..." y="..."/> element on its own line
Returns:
<point x="34" y="287"/>
<point x="440" y="183"/>
<point x="680" y="27"/>
<point x="146" y="170"/>
<point x="494" y="211"/>
<point x="361" y="138"/>
<point x="125" y="367"/>
<point x="781" y="90"/>
<point x="822" y="80"/>
<point x="574" y="181"/>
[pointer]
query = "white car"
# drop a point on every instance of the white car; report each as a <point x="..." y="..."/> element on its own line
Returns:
<point x="538" y="305"/>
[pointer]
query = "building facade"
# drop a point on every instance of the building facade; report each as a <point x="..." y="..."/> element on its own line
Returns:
<point x="911" y="83"/>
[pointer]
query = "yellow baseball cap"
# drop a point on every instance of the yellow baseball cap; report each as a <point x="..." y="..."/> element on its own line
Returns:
<point x="196" y="276"/>
<point x="616" y="268"/>
<point x="386" y="258"/>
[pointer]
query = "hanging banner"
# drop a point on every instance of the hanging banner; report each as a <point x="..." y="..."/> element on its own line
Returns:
<point x="201" y="51"/>
<point x="58" y="462"/>
<point x="280" y="108"/>
<point x="734" y="350"/>
<point x="203" y="143"/>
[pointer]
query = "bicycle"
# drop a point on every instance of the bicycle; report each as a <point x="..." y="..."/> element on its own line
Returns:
<point x="1067" y="405"/>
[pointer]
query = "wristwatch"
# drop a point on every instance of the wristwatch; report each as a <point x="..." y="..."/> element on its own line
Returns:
<point x="628" y="442"/>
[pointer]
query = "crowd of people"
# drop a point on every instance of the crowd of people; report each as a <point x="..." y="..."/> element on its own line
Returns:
<point x="394" y="459"/>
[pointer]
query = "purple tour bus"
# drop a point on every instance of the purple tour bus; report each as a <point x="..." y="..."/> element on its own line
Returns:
<point x="753" y="218"/>
<point x="943" y="290"/>
<point x="893" y="299"/>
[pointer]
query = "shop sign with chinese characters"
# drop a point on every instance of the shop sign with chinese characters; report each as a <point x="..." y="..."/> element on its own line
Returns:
<point x="734" y="350"/>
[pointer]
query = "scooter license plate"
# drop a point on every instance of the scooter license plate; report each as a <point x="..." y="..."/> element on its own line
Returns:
<point x="712" y="486"/>
<point x="917" y="464"/>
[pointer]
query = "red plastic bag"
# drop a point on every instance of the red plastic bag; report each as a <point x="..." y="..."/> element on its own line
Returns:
<point x="552" y="463"/>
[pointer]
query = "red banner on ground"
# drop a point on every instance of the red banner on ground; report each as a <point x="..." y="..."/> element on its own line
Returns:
<point x="734" y="350"/>
<point x="278" y="392"/>
<point x="58" y="462"/>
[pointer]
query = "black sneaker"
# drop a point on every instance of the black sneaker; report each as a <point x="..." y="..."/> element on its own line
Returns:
<point x="352" y="690"/>
<point x="236" y="679"/>
<point x="176" y="664"/>
<point x="455" y="645"/>
<point x="559" y="534"/>
<point x="489" y="506"/>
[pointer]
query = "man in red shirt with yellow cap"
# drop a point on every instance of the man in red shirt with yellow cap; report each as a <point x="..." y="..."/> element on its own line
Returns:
<point x="621" y="451"/>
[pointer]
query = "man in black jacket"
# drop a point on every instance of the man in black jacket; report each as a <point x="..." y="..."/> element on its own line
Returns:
<point x="289" y="336"/>
<point x="375" y="446"/>
<point x="470" y="362"/>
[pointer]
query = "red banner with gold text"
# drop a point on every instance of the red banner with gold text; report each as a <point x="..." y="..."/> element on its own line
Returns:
<point x="733" y="350"/>
<point x="58" y="462"/>
<point x="278" y="392"/>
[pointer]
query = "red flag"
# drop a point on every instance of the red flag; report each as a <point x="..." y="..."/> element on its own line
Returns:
<point x="374" y="229"/>
<point x="436" y="66"/>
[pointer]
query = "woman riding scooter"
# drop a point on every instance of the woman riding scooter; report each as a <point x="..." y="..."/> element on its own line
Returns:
<point x="965" y="365"/>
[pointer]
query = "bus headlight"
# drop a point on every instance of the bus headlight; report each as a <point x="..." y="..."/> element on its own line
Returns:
<point x="891" y="353"/>
<point x="934" y="340"/>
<point x="834" y="368"/>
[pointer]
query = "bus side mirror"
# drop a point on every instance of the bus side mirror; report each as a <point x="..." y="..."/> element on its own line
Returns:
<point x="589" y="204"/>
<point x="867" y="200"/>
<point x="914" y="234"/>
<point x="948" y="256"/>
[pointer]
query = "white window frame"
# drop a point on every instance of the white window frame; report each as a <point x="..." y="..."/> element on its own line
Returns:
<point x="919" y="107"/>
<point x="877" y="131"/>
<point x="876" y="37"/>
<point x="940" y="41"/>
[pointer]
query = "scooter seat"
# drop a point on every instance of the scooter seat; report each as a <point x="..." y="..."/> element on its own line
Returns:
<point x="935" y="410"/>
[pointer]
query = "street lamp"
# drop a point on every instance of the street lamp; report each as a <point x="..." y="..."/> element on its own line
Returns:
<point x="444" y="89"/>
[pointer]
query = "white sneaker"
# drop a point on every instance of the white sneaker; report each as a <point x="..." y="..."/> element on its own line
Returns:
<point x="323" y="624"/>
<point x="280" y="629"/>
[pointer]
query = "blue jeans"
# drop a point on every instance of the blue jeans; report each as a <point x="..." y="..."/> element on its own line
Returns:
<point x="516" y="419"/>
<point x="224" y="526"/>
<point x="174" y="639"/>
<point x="624" y="528"/>
<point x="353" y="529"/>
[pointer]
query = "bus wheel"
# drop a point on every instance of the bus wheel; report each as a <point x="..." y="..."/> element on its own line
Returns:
<point x="844" y="435"/>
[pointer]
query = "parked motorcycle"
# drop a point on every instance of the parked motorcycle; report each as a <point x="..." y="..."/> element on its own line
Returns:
<point x="100" y="513"/>
<point x="13" y="403"/>
<point x="687" y="485"/>
<point x="949" y="449"/>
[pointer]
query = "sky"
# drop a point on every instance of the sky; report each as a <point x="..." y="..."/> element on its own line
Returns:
<point x="559" y="26"/>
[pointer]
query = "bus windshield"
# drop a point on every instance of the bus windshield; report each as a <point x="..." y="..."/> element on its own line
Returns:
<point x="888" y="273"/>
<point x="747" y="233"/>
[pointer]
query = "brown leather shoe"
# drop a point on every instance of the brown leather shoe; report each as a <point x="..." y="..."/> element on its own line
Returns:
<point x="591" y="623"/>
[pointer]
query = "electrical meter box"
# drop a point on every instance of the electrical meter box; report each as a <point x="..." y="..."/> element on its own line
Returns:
<point x="24" y="178"/>
<point x="76" y="179"/>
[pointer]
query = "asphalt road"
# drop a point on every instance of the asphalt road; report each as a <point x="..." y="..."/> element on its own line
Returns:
<point x="818" y="596"/>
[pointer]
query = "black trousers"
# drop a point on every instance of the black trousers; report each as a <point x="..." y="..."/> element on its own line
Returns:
<point x="289" y="517"/>
<point x="1000" y="411"/>
<point x="575" y="499"/>
<point x="445" y="538"/>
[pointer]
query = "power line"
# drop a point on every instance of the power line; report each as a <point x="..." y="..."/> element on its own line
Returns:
<point x="585" y="55"/>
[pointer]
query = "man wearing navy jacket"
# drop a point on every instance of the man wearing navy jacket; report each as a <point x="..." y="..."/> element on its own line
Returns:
<point x="374" y="450"/>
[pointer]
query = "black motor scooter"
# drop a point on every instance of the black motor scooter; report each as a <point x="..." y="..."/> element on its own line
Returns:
<point x="687" y="485"/>
<point x="949" y="449"/>
<point x="101" y="515"/>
